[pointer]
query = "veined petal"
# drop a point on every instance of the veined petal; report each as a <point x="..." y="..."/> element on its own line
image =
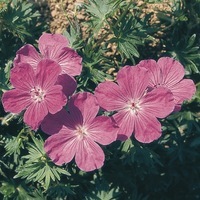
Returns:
<point x="70" y="61"/>
<point x="15" y="100"/>
<point x="34" y="114"/>
<point x="159" y="102"/>
<point x="172" y="71"/>
<point x="53" y="123"/>
<point x="125" y="119"/>
<point x="27" y="54"/>
<point x="47" y="73"/>
<point x="89" y="155"/>
<point x="110" y="97"/>
<point x="133" y="80"/>
<point x="23" y="77"/>
<point x="154" y="71"/>
<point x="103" y="130"/>
<point x="68" y="83"/>
<point x="55" y="99"/>
<point x="184" y="90"/>
<point x="147" y="128"/>
<point x="61" y="147"/>
<point x="51" y="41"/>
<point x="84" y="104"/>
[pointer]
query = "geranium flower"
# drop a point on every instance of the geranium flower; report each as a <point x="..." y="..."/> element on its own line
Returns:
<point x="137" y="108"/>
<point x="79" y="134"/>
<point x="169" y="73"/>
<point x="35" y="92"/>
<point x="54" y="47"/>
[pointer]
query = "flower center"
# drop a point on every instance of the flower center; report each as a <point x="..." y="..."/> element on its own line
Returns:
<point x="81" y="131"/>
<point x="134" y="106"/>
<point x="37" y="94"/>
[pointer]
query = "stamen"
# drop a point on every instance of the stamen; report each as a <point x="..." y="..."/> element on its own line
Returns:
<point x="37" y="94"/>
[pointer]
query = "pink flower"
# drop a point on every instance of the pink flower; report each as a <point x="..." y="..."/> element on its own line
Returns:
<point x="54" y="47"/>
<point x="35" y="92"/>
<point x="137" y="108"/>
<point x="169" y="73"/>
<point x="79" y="134"/>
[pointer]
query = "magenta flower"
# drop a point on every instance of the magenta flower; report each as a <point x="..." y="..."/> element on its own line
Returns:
<point x="169" y="73"/>
<point x="137" y="108"/>
<point x="79" y="134"/>
<point x="35" y="92"/>
<point x="54" y="47"/>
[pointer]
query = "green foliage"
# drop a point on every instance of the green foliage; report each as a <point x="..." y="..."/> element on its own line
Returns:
<point x="19" y="23"/>
<point x="37" y="167"/>
<point x="100" y="11"/>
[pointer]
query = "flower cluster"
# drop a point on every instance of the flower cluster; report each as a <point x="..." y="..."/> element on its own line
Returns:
<point x="43" y="84"/>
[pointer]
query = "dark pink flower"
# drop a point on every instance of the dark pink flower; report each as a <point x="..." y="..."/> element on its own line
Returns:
<point x="35" y="92"/>
<point x="54" y="47"/>
<point x="169" y="73"/>
<point x="78" y="133"/>
<point x="137" y="108"/>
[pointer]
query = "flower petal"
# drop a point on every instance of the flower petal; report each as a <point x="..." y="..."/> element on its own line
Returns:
<point x="34" y="114"/>
<point x="159" y="102"/>
<point x="22" y="77"/>
<point x="53" y="123"/>
<point x="147" y="128"/>
<point x="125" y="120"/>
<point x="103" y="130"/>
<point x="89" y="155"/>
<point x="50" y="42"/>
<point x="68" y="83"/>
<point x="27" y="54"/>
<point x="110" y="97"/>
<point x="15" y="100"/>
<point x="61" y="147"/>
<point x="154" y="71"/>
<point x="47" y="73"/>
<point x="84" y="104"/>
<point x="133" y="80"/>
<point x="55" y="99"/>
<point x="70" y="61"/>
<point x="184" y="90"/>
<point x="172" y="71"/>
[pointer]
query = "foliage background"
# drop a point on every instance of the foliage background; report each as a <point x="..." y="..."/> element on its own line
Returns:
<point x="112" y="33"/>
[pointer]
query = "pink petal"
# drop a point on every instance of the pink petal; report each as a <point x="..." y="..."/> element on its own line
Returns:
<point x="147" y="128"/>
<point x="110" y="97"/>
<point x="68" y="83"/>
<point x="47" y="73"/>
<point x="103" y="130"/>
<point x="61" y="147"/>
<point x="15" y="100"/>
<point x="34" y="114"/>
<point x="125" y="119"/>
<point x="55" y="99"/>
<point x="27" y="54"/>
<point x="89" y="155"/>
<point x="70" y="61"/>
<point x="184" y="90"/>
<point x="53" y="123"/>
<point x="154" y="71"/>
<point x="159" y="102"/>
<point x="84" y="104"/>
<point x="172" y="71"/>
<point x="51" y="41"/>
<point x="22" y="77"/>
<point x="133" y="80"/>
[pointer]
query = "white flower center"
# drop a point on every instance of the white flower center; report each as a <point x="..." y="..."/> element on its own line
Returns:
<point x="134" y="106"/>
<point x="81" y="131"/>
<point x="37" y="94"/>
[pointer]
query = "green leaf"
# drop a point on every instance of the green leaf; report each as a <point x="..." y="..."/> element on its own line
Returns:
<point x="37" y="167"/>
